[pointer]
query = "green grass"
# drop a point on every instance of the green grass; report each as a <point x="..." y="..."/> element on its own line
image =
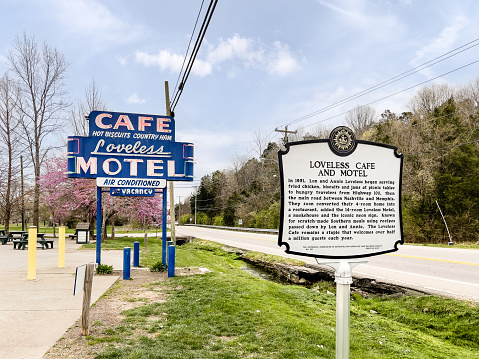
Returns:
<point x="230" y="314"/>
<point x="41" y="229"/>
<point x="118" y="230"/>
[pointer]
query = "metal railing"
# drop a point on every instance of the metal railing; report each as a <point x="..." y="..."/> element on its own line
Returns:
<point x="238" y="229"/>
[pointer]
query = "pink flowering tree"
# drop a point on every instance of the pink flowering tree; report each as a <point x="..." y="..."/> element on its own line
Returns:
<point x="146" y="210"/>
<point x="53" y="190"/>
<point x="67" y="197"/>
<point x="64" y="196"/>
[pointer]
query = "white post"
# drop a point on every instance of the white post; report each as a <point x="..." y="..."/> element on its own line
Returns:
<point x="343" y="279"/>
<point x="343" y="282"/>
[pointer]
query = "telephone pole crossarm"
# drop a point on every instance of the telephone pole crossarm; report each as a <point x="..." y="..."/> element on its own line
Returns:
<point x="285" y="131"/>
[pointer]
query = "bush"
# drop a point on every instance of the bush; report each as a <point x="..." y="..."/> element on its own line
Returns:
<point x="104" y="269"/>
<point x="157" y="267"/>
<point x="218" y="221"/>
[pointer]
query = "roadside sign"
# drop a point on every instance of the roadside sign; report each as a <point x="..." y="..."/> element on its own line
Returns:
<point x="340" y="203"/>
<point x="79" y="279"/>
<point x="340" y="198"/>
<point x="132" y="154"/>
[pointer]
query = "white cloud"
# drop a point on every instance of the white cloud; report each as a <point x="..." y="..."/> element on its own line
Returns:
<point x="235" y="53"/>
<point x="440" y="44"/>
<point x="167" y="60"/>
<point x="352" y="11"/>
<point x="135" y="99"/>
<point x="3" y="60"/>
<point x="236" y="47"/>
<point x="121" y="60"/>
<point x="282" y="61"/>
<point x="93" y="19"/>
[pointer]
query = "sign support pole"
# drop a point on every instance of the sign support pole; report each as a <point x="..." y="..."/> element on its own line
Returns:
<point x="98" y="225"/>
<point x="172" y="193"/>
<point x="344" y="279"/>
<point x="163" y="228"/>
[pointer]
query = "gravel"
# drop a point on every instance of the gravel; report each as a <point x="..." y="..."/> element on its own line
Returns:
<point x="145" y="287"/>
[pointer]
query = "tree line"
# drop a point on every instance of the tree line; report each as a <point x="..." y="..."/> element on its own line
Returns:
<point x="438" y="135"/>
<point x="35" y="113"/>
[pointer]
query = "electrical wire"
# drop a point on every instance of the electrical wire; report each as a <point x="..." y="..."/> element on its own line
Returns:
<point x="396" y="93"/>
<point x="188" y="48"/>
<point x="196" y="48"/>
<point x="389" y="81"/>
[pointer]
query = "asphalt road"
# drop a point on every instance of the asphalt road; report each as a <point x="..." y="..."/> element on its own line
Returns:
<point x="451" y="272"/>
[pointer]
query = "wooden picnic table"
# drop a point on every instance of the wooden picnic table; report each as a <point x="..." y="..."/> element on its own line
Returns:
<point x="4" y="238"/>
<point x="22" y="242"/>
<point x="18" y="234"/>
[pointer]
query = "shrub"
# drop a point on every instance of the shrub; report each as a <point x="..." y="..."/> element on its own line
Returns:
<point x="157" y="267"/>
<point x="104" y="269"/>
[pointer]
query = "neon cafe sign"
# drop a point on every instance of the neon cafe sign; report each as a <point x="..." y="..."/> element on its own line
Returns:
<point x="124" y="146"/>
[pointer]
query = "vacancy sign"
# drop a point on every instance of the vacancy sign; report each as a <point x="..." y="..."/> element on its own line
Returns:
<point x="340" y="198"/>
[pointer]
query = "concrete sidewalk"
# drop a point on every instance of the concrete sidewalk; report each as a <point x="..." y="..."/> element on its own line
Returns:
<point x="34" y="314"/>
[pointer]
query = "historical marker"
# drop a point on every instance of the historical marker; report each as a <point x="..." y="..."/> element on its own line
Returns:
<point x="340" y="198"/>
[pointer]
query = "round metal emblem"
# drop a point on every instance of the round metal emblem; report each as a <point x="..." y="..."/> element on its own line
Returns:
<point x="342" y="141"/>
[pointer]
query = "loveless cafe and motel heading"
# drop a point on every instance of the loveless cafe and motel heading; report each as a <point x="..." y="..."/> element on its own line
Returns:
<point x="130" y="150"/>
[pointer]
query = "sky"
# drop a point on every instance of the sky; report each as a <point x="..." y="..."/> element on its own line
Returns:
<point x="263" y="64"/>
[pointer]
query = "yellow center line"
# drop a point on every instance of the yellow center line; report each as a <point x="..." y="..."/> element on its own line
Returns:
<point x="388" y="254"/>
<point x="433" y="259"/>
<point x="262" y="239"/>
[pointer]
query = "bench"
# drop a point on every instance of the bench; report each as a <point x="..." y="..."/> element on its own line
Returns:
<point x="4" y="238"/>
<point x="22" y="243"/>
<point x="45" y="242"/>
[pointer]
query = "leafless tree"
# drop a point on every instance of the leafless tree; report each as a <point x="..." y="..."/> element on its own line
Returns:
<point x="260" y="142"/>
<point x="317" y="132"/>
<point x="40" y="73"/>
<point x="360" y="119"/>
<point x="91" y="102"/>
<point x="428" y="98"/>
<point x="10" y="117"/>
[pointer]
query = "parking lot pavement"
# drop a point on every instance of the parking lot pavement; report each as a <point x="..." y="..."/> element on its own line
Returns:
<point x="34" y="314"/>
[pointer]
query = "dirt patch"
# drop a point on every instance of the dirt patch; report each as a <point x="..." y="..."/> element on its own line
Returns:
<point x="145" y="287"/>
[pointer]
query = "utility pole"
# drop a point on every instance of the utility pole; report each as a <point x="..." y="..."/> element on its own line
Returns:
<point x="196" y="195"/>
<point x="172" y="193"/>
<point x="23" y="198"/>
<point x="179" y="210"/>
<point x="285" y="131"/>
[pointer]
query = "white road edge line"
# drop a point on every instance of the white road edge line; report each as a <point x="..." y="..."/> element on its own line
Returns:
<point x="417" y="275"/>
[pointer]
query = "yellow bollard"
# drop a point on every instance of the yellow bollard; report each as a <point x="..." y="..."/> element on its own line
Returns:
<point x="32" y="253"/>
<point x="61" y="248"/>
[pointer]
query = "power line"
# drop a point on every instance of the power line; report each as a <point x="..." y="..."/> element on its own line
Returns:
<point x="396" y="78"/>
<point x="390" y="81"/>
<point x="188" y="48"/>
<point x="398" y="92"/>
<point x="196" y="48"/>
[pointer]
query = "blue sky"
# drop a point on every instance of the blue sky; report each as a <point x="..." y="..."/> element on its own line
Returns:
<point x="263" y="63"/>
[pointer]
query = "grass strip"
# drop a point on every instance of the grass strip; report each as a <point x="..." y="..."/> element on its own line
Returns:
<point x="228" y="313"/>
